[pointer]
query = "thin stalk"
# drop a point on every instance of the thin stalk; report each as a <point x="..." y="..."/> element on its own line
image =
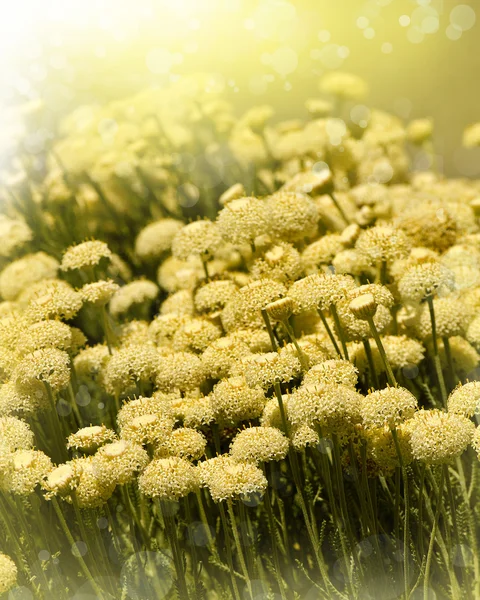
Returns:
<point x="216" y="438"/>
<point x="329" y="331"/>
<point x="238" y="545"/>
<point x="132" y="511"/>
<point x="270" y="468"/>
<point x="170" y="530"/>
<point x="74" y="404"/>
<point x="366" y="528"/>
<point x="339" y="328"/>
<point x="451" y="367"/>
<point x="57" y="426"/>
<point x="451" y="501"/>
<point x="371" y="363"/>
<point x="14" y="538"/>
<point x="376" y="336"/>
<point x="431" y="545"/>
<point x="440" y="541"/>
<point x="343" y="502"/>
<point x="268" y="325"/>
<point x="205" y="267"/>
<point x="283" y="416"/>
<point x="245" y="527"/>
<point x="203" y="517"/>
<point x="453" y="513"/>
<point x="340" y="523"/>
<point x="100" y="593"/>
<point x="115" y="535"/>
<point x="382" y="272"/>
<point x="339" y="208"/>
<point x="396" y="510"/>
<point x="406" y="524"/>
<point x="301" y="354"/>
<point x="26" y="531"/>
<point x="373" y="520"/>
<point x="420" y="509"/>
<point x="471" y="525"/>
<point x="273" y="536"/>
<point x="436" y="355"/>
<point x="298" y="484"/>
<point x="193" y="549"/>
<point x="85" y="534"/>
<point x="47" y="536"/>
<point x="228" y="547"/>
<point x="106" y="329"/>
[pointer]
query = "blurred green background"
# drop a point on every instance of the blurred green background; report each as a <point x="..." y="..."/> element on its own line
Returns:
<point x="419" y="57"/>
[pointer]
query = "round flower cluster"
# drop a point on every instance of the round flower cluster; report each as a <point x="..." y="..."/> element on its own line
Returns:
<point x="87" y="254"/>
<point x="8" y="573"/>
<point x="228" y="479"/>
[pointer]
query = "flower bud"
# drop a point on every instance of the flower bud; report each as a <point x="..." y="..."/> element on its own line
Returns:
<point x="281" y="309"/>
<point x="364" y="307"/>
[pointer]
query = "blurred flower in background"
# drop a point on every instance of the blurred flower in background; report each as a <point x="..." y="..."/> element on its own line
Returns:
<point x="420" y="58"/>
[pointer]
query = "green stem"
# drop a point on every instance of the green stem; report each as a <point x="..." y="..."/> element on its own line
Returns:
<point x="420" y="510"/>
<point x="337" y="463"/>
<point x="298" y="484"/>
<point x="366" y="527"/>
<point x="268" y="325"/>
<point x="376" y="336"/>
<point x="113" y="528"/>
<point x="106" y="328"/>
<point x="382" y="272"/>
<point x="329" y="331"/>
<point x="216" y="438"/>
<point x="238" y="545"/>
<point x="453" y="513"/>
<point x="273" y="536"/>
<point x="193" y="549"/>
<point x="74" y="404"/>
<point x="371" y="363"/>
<point x="451" y="368"/>
<point x="396" y="510"/>
<point x="436" y="355"/>
<point x="170" y="530"/>
<point x="71" y="541"/>
<point x="205" y="267"/>
<point x="14" y="537"/>
<point x="85" y="534"/>
<point x="300" y="352"/>
<point x="406" y="524"/>
<point x="338" y="207"/>
<point x="228" y="547"/>
<point x="444" y="552"/>
<point x="203" y="517"/>
<point x="57" y="426"/>
<point x="471" y="526"/>
<point x="431" y="545"/>
<point x="339" y="328"/>
<point x="340" y="523"/>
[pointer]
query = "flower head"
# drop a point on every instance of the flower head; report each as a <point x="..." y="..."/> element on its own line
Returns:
<point x="439" y="437"/>
<point x="200" y="238"/>
<point x="259" y="444"/>
<point x="84" y="255"/>
<point x="390" y="406"/>
<point x="168" y="478"/>
<point x="8" y="573"/>
<point x="228" y="479"/>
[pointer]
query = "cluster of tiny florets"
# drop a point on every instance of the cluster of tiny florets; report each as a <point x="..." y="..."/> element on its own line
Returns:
<point x="85" y="255"/>
<point x="439" y="437"/>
